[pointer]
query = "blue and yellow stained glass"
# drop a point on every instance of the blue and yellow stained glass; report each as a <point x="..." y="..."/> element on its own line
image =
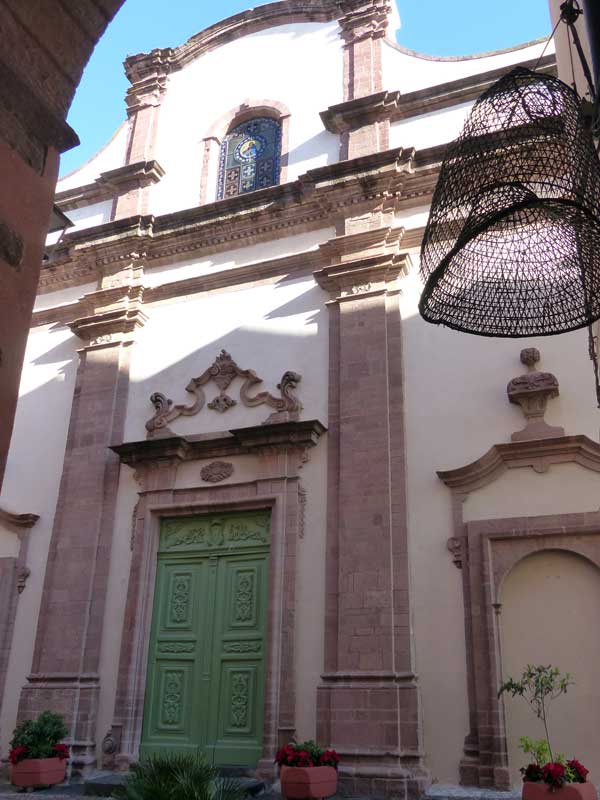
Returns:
<point x="249" y="157"/>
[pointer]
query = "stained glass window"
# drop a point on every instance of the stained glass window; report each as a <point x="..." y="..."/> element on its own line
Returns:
<point x="249" y="157"/>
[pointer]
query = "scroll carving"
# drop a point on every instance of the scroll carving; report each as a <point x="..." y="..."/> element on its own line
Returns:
<point x="223" y="371"/>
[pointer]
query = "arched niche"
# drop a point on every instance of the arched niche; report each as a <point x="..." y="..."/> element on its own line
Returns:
<point x="550" y="605"/>
<point x="487" y="550"/>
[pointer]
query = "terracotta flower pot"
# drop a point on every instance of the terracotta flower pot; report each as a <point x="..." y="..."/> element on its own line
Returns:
<point x="570" y="791"/>
<point x="317" y="782"/>
<point x="38" y="772"/>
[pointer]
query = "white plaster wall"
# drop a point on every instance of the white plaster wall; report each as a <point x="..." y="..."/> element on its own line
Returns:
<point x="88" y="216"/>
<point x="63" y="297"/>
<point x="111" y="156"/>
<point x="456" y="409"/>
<point x="564" y="489"/>
<point x="31" y="485"/>
<point x="427" y="130"/>
<point x="299" y="65"/>
<point x="269" y="328"/>
<point x="409" y="71"/>
<point x="155" y="276"/>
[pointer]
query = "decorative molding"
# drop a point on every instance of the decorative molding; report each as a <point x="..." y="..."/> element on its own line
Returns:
<point x="394" y="106"/>
<point x="109" y="184"/>
<point x="240" y="441"/>
<point x="315" y="200"/>
<point x="539" y="454"/>
<point x="216" y="471"/>
<point x="221" y="403"/>
<point x="222" y="372"/>
<point x="532" y="392"/>
<point x="132" y="176"/>
<point x="254" y="20"/>
<point x="112" y="311"/>
<point x="18" y="520"/>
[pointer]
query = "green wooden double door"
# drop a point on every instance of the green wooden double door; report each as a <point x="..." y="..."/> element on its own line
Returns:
<point x="206" y="669"/>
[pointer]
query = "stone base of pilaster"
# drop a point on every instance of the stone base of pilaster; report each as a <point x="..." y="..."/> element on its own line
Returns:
<point x="373" y="721"/>
<point x="487" y="776"/>
<point x="382" y="781"/>
<point x="76" y="698"/>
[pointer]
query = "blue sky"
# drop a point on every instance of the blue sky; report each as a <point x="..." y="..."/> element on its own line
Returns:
<point x="437" y="27"/>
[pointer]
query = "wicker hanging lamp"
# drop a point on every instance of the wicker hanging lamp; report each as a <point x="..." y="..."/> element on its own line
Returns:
<point x="512" y="244"/>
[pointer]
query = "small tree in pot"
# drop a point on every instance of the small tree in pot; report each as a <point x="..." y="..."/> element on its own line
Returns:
<point x="549" y="772"/>
<point x="37" y="756"/>
<point x="307" y="770"/>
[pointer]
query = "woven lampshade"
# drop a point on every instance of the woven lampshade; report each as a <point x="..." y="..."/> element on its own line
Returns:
<point x="512" y="244"/>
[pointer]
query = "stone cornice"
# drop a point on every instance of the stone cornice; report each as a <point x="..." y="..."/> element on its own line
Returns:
<point x="538" y="454"/>
<point x="394" y="106"/>
<point x="239" y="441"/>
<point x="363" y="276"/>
<point x="313" y="201"/>
<point x="109" y="184"/>
<point x="303" y="263"/>
<point x="138" y="175"/>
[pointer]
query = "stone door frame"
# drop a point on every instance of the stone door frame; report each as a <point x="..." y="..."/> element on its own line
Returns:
<point x="487" y="550"/>
<point x="282" y="497"/>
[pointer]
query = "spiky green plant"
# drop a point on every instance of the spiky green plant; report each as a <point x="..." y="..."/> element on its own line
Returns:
<point x="178" y="776"/>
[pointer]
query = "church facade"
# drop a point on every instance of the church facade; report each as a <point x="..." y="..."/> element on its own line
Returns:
<point x="251" y="495"/>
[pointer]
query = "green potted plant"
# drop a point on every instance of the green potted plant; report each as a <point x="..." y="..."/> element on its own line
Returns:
<point x="549" y="773"/>
<point x="37" y="756"/>
<point x="178" y="776"/>
<point x="307" y="770"/>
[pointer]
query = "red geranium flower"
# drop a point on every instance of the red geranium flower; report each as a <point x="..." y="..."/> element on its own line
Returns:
<point x="18" y="754"/>
<point x="580" y="771"/>
<point x="554" y="774"/>
<point x="61" y="750"/>
<point x="533" y="772"/>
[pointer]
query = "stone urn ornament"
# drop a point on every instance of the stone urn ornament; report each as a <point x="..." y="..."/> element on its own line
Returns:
<point x="549" y="775"/>
<point x="307" y="771"/>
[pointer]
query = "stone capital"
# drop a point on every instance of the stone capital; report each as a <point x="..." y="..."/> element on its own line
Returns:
<point x="148" y="75"/>
<point x="115" y="313"/>
<point x="364" y="20"/>
<point x="363" y="263"/>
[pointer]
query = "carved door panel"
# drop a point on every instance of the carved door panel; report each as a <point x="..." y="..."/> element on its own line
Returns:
<point x="176" y="688"/>
<point x="205" y="682"/>
<point x="236" y="718"/>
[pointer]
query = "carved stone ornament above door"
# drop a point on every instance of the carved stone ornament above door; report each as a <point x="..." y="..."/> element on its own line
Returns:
<point x="222" y="372"/>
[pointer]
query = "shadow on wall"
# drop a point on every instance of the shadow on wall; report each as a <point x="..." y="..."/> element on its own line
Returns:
<point x="269" y="343"/>
<point x="322" y="143"/>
